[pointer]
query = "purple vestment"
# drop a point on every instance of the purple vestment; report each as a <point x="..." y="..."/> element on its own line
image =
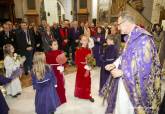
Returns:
<point x="141" y="69"/>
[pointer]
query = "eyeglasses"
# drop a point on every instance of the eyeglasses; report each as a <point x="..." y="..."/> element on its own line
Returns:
<point x="120" y="23"/>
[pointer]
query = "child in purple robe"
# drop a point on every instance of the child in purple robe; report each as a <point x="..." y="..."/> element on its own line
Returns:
<point x="109" y="55"/>
<point x="3" y="105"/>
<point x="4" y="109"/>
<point x="44" y="82"/>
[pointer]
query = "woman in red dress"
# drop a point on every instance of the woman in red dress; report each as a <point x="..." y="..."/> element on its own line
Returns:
<point x="52" y="58"/>
<point x="83" y="79"/>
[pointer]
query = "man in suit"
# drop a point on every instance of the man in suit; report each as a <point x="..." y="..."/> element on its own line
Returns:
<point x="74" y="38"/>
<point x="25" y="43"/>
<point x="56" y="33"/>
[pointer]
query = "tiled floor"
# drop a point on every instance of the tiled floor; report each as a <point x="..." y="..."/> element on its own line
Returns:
<point x="24" y="104"/>
<point x="26" y="80"/>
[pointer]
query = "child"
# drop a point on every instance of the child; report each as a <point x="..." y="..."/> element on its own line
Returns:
<point x="83" y="81"/>
<point x="44" y="82"/>
<point x="12" y="64"/>
<point x="109" y="55"/>
<point x="51" y="58"/>
<point x="3" y="105"/>
<point x="99" y="39"/>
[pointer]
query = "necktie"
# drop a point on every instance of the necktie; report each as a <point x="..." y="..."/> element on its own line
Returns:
<point x="27" y="38"/>
<point x="7" y="34"/>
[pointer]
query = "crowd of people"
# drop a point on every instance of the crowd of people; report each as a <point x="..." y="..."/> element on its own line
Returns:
<point x="132" y="70"/>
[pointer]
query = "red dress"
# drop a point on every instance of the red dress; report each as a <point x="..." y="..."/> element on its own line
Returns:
<point x="83" y="83"/>
<point x="51" y="59"/>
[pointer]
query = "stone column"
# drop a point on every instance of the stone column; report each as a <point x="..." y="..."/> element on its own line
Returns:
<point x="51" y="11"/>
<point x="68" y="8"/>
<point x="155" y="12"/>
<point x="94" y="9"/>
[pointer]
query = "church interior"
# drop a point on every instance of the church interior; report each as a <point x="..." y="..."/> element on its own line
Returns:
<point x="31" y="27"/>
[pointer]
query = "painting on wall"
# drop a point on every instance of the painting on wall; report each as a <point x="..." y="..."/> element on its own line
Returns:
<point x="104" y="11"/>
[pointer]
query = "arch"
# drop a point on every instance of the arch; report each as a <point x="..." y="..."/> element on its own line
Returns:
<point x="62" y="7"/>
<point x="61" y="10"/>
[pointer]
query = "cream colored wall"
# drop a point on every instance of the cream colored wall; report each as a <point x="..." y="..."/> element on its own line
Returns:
<point x="147" y="12"/>
<point x="156" y="10"/>
<point x="19" y="8"/>
<point x="94" y="8"/>
<point x="51" y="7"/>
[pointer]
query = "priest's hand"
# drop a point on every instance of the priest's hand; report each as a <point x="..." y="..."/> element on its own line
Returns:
<point x="109" y="67"/>
<point x="116" y="73"/>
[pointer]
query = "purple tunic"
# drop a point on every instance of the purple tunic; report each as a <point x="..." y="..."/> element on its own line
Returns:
<point x="109" y="56"/>
<point x="141" y="68"/>
<point x="3" y="105"/>
<point x="46" y="99"/>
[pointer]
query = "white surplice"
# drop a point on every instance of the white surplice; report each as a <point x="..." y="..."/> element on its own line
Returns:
<point x="11" y="65"/>
<point x="123" y="103"/>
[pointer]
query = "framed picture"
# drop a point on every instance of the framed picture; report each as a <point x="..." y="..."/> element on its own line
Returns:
<point x="104" y="11"/>
<point x="31" y="4"/>
<point x="83" y="4"/>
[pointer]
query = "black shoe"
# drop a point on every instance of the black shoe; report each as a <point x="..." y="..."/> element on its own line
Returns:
<point x="26" y="73"/>
<point x="15" y="96"/>
<point x="18" y="94"/>
<point x="92" y="100"/>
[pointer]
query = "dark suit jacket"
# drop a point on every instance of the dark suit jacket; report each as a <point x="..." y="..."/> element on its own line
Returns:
<point x="4" y="39"/>
<point x="21" y="42"/>
<point x="74" y="34"/>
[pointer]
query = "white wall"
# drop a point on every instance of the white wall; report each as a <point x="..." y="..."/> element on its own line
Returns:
<point x="62" y="8"/>
<point x="94" y="8"/>
<point x="68" y="8"/>
<point x="51" y="7"/>
<point x="19" y="8"/>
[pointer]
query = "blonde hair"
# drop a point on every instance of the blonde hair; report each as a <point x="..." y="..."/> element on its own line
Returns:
<point x="7" y="50"/>
<point x="39" y="67"/>
<point x="82" y="36"/>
